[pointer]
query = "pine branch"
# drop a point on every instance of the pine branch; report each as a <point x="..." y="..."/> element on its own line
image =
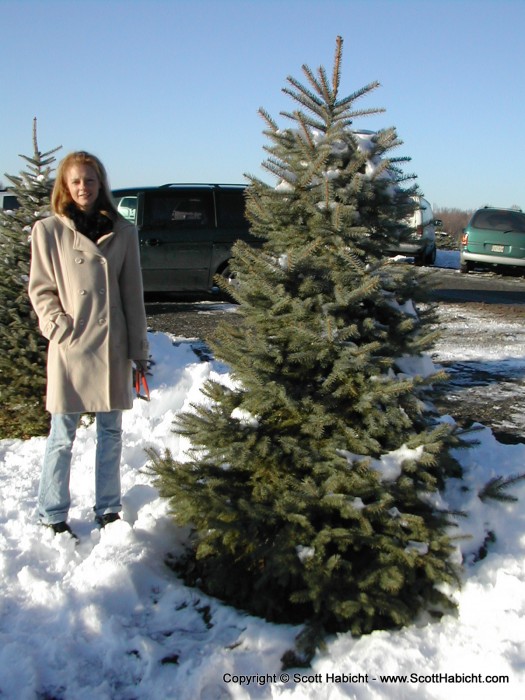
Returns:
<point x="495" y="488"/>
<point x="336" y="73"/>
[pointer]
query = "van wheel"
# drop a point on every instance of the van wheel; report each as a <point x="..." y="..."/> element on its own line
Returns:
<point x="465" y="266"/>
<point x="227" y="274"/>
<point x="430" y="258"/>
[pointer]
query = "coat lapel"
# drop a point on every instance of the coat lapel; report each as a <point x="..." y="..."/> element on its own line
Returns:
<point x="83" y="243"/>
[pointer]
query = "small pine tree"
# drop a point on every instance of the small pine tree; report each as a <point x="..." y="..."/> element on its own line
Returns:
<point x="294" y="516"/>
<point x="22" y="347"/>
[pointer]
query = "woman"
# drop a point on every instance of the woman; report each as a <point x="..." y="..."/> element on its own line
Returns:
<point x="85" y="285"/>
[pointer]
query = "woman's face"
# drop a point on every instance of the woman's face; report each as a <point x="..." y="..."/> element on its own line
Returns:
<point x="83" y="185"/>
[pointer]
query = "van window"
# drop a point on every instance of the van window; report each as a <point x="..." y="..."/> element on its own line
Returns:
<point x="232" y="208"/>
<point x="426" y="212"/>
<point x="179" y="209"/>
<point x="10" y="202"/>
<point x="127" y="207"/>
<point x="498" y="220"/>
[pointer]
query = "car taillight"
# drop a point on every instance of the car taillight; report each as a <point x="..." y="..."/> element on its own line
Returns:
<point x="464" y="240"/>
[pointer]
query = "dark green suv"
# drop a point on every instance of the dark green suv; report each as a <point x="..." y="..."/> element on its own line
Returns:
<point x="493" y="237"/>
<point x="186" y="233"/>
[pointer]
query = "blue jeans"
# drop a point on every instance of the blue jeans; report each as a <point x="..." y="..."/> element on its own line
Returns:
<point x="53" y="495"/>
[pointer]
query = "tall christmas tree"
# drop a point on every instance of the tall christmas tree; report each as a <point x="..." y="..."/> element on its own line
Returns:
<point x="22" y="347"/>
<point x="295" y="512"/>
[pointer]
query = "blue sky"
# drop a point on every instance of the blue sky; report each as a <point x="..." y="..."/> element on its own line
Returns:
<point x="169" y="90"/>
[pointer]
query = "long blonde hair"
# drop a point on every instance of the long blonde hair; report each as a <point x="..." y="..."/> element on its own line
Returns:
<point x="61" y="197"/>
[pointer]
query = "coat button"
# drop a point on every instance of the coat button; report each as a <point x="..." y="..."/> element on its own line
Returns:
<point x="101" y="321"/>
<point x="79" y="261"/>
<point x="81" y="322"/>
<point x="83" y="292"/>
<point x="101" y="291"/>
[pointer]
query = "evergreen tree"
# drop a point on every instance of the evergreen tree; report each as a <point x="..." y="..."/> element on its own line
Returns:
<point x="22" y="347"/>
<point x="295" y="514"/>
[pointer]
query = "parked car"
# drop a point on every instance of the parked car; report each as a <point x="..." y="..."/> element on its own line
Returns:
<point x="421" y="245"/>
<point x="186" y="233"/>
<point x="8" y="200"/>
<point x="493" y="236"/>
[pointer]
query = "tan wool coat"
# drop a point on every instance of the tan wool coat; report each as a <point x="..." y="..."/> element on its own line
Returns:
<point x="89" y="301"/>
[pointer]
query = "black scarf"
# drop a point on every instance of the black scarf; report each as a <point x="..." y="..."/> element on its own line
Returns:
<point x="94" y="224"/>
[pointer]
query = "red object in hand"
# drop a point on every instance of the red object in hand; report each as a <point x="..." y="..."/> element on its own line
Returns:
<point x="141" y="383"/>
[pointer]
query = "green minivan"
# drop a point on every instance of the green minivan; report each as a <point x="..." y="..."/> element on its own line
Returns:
<point x="493" y="236"/>
<point x="186" y="233"/>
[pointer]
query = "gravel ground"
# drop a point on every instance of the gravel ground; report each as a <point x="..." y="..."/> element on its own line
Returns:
<point x="486" y="392"/>
<point x="189" y="319"/>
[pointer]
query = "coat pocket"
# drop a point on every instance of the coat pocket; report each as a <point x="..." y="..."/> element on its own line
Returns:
<point x="59" y="329"/>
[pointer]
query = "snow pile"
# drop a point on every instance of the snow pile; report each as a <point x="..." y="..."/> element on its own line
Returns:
<point x="107" y="619"/>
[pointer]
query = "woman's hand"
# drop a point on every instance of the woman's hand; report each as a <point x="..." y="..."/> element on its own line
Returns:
<point x="141" y="365"/>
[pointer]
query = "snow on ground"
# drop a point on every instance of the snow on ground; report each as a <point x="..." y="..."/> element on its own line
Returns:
<point x="107" y="619"/>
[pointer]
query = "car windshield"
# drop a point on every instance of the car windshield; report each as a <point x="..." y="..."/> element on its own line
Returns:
<point x="499" y="220"/>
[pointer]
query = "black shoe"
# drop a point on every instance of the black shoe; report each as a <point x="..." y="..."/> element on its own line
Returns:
<point x="106" y="519"/>
<point x="59" y="528"/>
